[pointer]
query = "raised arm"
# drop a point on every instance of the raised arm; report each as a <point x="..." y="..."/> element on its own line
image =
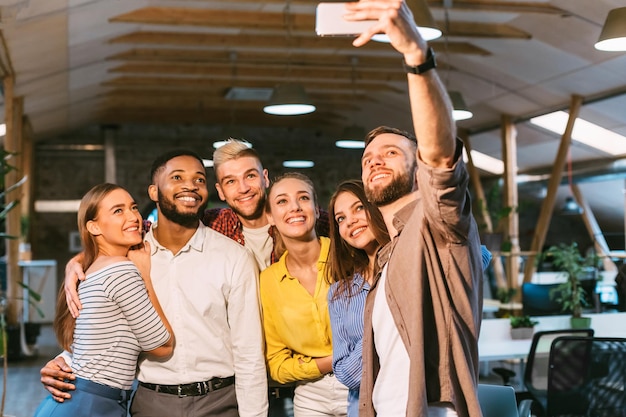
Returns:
<point x="73" y="274"/>
<point x="141" y="258"/>
<point x="430" y="105"/>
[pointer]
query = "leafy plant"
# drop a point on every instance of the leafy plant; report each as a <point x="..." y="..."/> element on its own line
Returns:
<point x="505" y="295"/>
<point x="33" y="297"/>
<point x="493" y="204"/>
<point x="570" y="293"/>
<point x="522" y="321"/>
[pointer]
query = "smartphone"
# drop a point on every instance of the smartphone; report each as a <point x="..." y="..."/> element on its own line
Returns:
<point x="329" y="21"/>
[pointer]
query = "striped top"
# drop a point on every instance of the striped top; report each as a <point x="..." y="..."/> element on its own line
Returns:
<point x="117" y="322"/>
<point x="346" y="319"/>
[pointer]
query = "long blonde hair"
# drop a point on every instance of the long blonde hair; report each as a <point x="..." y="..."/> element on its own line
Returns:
<point x="64" y="323"/>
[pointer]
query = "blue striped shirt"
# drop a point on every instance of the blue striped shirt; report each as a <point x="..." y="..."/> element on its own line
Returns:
<point x="346" y="320"/>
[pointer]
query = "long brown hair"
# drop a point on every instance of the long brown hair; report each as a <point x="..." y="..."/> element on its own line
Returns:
<point x="344" y="260"/>
<point x="64" y="323"/>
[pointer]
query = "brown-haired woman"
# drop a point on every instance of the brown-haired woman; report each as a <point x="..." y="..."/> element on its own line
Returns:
<point x="357" y="230"/>
<point x="294" y="299"/>
<point x="121" y="316"/>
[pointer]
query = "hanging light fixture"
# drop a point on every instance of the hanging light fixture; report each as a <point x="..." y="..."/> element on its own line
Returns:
<point x="352" y="138"/>
<point x="613" y="35"/>
<point x="289" y="99"/>
<point x="571" y="207"/>
<point x="460" y="111"/>
<point x="426" y="25"/>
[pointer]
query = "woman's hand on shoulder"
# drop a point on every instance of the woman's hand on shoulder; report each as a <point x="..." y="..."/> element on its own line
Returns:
<point x="140" y="256"/>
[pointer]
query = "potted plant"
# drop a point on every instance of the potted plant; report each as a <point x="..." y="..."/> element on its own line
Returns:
<point x="494" y="240"/>
<point x="570" y="293"/>
<point x="522" y="327"/>
<point x="32" y="298"/>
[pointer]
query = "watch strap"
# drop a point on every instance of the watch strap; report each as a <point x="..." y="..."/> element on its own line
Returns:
<point x="427" y="65"/>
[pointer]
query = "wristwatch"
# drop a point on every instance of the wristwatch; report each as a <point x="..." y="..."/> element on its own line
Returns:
<point x="429" y="64"/>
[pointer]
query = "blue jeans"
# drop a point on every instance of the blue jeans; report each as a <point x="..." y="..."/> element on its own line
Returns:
<point x="89" y="400"/>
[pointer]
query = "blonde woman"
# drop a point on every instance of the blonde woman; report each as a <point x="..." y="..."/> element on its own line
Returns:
<point x="121" y="316"/>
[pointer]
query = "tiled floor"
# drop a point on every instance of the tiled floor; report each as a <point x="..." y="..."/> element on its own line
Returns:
<point x="24" y="390"/>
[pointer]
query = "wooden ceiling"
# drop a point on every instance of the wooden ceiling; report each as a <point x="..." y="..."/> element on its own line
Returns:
<point x="77" y="63"/>
<point x="83" y="62"/>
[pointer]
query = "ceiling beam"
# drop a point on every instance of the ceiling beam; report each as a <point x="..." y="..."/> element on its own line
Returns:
<point x="295" y="22"/>
<point x="271" y="42"/>
<point x="501" y="6"/>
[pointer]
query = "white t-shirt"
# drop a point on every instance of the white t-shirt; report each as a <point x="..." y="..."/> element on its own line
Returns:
<point x="261" y="244"/>
<point x="391" y="389"/>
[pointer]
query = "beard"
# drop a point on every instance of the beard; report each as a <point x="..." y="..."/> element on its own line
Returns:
<point x="399" y="187"/>
<point x="259" y="210"/>
<point x="169" y="211"/>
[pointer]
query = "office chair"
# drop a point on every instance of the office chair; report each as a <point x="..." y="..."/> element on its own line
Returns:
<point x="539" y="300"/>
<point x="537" y="364"/>
<point x="587" y="377"/>
<point x="499" y="401"/>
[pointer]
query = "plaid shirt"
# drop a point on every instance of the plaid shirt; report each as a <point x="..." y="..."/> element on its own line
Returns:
<point x="226" y="222"/>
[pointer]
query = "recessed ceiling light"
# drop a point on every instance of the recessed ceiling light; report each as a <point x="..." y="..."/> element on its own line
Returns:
<point x="350" y="144"/>
<point x="485" y="162"/>
<point x="298" y="164"/>
<point x="584" y="132"/>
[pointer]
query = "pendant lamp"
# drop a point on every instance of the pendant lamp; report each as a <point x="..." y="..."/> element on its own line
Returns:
<point x="460" y="110"/>
<point x="289" y="99"/>
<point x="613" y="35"/>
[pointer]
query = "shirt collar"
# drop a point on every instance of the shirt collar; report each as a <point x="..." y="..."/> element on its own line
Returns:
<point x="196" y="241"/>
<point x="400" y="219"/>
<point x="321" y="262"/>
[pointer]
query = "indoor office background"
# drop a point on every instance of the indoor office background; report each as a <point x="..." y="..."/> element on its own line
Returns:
<point x="94" y="90"/>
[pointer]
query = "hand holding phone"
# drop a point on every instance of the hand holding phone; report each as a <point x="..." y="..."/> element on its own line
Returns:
<point x="329" y="21"/>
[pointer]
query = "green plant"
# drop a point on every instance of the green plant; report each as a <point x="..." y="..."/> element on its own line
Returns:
<point x="493" y="204"/>
<point x="505" y="295"/>
<point x="522" y="321"/>
<point x="570" y="293"/>
<point x="33" y="297"/>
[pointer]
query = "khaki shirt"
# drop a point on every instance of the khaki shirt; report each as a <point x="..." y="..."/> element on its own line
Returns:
<point x="434" y="292"/>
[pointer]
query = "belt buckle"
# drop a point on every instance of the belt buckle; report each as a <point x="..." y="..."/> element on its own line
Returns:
<point x="180" y="392"/>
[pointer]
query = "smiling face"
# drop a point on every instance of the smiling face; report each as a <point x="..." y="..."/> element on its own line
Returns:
<point x="351" y="219"/>
<point x="242" y="184"/>
<point x="389" y="166"/>
<point x="180" y="190"/>
<point x="117" y="223"/>
<point x="292" y="208"/>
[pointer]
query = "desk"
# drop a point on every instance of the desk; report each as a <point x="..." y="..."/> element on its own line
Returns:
<point x="495" y="343"/>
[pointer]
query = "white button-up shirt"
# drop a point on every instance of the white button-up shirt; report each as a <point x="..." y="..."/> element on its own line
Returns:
<point x="209" y="293"/>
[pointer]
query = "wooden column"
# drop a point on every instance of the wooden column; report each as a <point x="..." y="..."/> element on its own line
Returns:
<point x="555" y="179"/>
<point x="509" y="157"/>
<point x="12" y="143"/>
<point x="110" y="173"/>
<point x="599" y="242"/>
<point x="496" y="262"/>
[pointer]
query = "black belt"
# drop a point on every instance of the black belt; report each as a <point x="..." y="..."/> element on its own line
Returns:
<point x="193" y="389"/>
